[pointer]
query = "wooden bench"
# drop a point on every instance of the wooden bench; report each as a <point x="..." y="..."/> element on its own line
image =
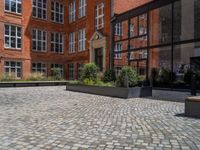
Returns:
<point x="192" y="106"/>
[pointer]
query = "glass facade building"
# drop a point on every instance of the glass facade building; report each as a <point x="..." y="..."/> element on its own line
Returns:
<point x="161" y="40"/>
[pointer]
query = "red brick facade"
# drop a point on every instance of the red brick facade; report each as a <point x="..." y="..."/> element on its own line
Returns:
<point x="26" y="56"/>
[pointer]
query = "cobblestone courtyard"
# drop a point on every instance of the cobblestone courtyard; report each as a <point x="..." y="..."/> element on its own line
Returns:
<point x="52" y="118"/>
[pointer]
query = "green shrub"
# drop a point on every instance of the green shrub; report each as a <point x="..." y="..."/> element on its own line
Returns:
<point x="109" y="76"/>
<point x="7" y="77"/>
<point x="56" y="72"/>
<point x="88" y="82"/>
<point x="166" y="76"/>
<point x="188" y="76"/>
<point x="198" y="75"/>
<point x="131" y="74"/>
<point x="89" y="72"/>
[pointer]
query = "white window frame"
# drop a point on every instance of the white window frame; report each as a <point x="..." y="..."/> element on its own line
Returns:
<point x="43" y="9"/>
<point x="59" y="12"/>
<point x="10" y="37"/>
<point x="82" y="8"/>
<point x="118" y="29"/>
<point x="99" y="17"/>
<point x="59" y="42"/>
<point x="118" y="70"/>
<point x="42" y="41"/>
<point x="71" y="71"/>
<point x="18" y="3"/>
<point x="82" y="39"/>
<point x="132" y="30"/>
<point x="72" y="12"/>
<point x="72" y="42"/>
<point x="118" y="48"/>
<point x="16" y="67"/>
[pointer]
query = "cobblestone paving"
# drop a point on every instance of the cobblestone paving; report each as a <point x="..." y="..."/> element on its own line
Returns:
<point x="52" y="118"/>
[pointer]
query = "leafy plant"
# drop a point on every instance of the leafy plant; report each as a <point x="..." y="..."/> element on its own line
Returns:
<point x="166" y="76"/>
<point x="56" y="73"/>
<point x="131" y="74"/>
<point x="188" y="76"/>
<point x="109" y="76"/>
<point x="88" y="82"/>
<point x="89" y="72"/>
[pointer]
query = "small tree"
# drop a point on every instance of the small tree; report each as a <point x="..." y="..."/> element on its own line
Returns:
<point x="89" y="72"/>
<point x="56" y="73"/>
<point x="131" y="74"/>
<point x="109" y="76"/>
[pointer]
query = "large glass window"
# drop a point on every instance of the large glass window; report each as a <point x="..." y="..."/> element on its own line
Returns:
<point x="14" y="6"/>
<point x="12" y="37"/>
<point x="167" y="36"/>
<point x="40" y="9"/>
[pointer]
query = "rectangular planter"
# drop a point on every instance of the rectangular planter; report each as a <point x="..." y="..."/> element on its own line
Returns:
<point x="134" y="92"/>
<point x="32" y="83"/>
<point x="192" y="107"/>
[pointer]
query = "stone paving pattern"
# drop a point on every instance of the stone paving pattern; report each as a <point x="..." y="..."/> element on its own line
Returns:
<point x="51" y="118"/>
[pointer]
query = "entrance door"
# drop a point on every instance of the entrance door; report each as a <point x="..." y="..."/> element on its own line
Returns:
<point x="99" y="58"/>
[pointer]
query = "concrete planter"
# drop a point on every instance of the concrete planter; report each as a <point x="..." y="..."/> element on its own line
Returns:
<point x="118" y="92"/>
<point x="32" y="83"/>
<point x="192" y="107"/>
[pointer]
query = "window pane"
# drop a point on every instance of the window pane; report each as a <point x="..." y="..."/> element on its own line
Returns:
<point x="186" y="25"/>
<point x="160" y="25"/>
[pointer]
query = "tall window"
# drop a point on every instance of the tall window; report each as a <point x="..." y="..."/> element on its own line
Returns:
<point x="118" y="29"/>
<point x="79" y="67"/>
<point x="57" y="42"/>
<point x="13" y="68"/>
<point x="72" y="42"/>
<point x="40" y="9"/>
<point x="71" y="71"/>
<point x="81" y="39"/>
<point x="82" y="8"/>
<point x="39" y="40"/>
<point x="118" y="49"/>
<point x="58" y="66"/>
<point x="99" y="16"/>
<point x="13" y="6"/>
<point x="57" y="12"/>
<point x="72" y="11"/>
<point x="39" y="67"/>
<point x="12" y="37"/>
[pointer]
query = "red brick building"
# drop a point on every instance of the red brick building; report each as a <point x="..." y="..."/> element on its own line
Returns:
<point x="39" y="35"/>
